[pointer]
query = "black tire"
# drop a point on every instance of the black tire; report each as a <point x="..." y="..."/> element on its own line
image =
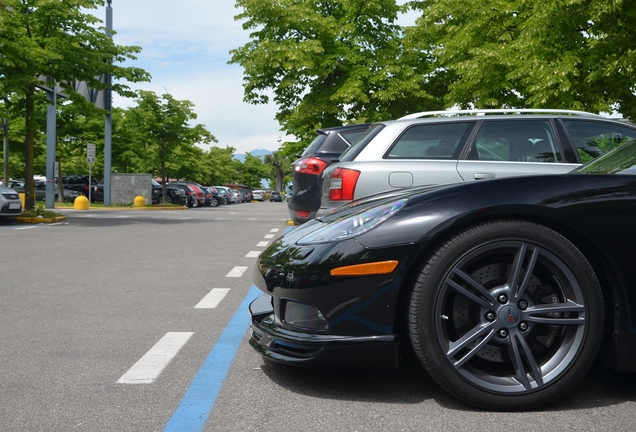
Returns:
<point x="214" y="202"/>
<point x="500" y="339"/>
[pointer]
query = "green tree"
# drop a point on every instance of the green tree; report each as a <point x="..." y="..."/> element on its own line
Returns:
<point x="164" y="130"/>
<point x="220" y="166"/>
<point x="60" y="40"/>
<point x="330" y="62"/>
<point x="574" y="54"/>
<point x="251" y="171"/>
<point x="280" y="169"/>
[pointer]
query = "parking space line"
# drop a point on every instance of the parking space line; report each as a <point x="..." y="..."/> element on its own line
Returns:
<point x="253" y="254"/>
<point x="274" y="230"/>
<point x="26" y="227"/>
<point x="236" y="271"/>
<point x="262" y="244"/>
<point x="148" y="368"/>
<point x="194" y="409"/>
<point x="269" y="236"/>
<point x="213" y="298"/>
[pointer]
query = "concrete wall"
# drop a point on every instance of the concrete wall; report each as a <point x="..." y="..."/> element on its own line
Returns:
<point x="125" y="187"/>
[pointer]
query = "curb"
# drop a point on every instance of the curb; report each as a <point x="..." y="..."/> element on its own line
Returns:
<point x="40" y="219"/>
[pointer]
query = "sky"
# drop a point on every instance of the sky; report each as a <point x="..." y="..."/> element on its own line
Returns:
<point x="185" y="48"/>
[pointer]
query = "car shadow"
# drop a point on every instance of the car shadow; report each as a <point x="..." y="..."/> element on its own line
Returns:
<point x="410" y="384"/>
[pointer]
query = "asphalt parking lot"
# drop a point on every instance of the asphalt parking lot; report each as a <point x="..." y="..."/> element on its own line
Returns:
<point x="131" y="320"/>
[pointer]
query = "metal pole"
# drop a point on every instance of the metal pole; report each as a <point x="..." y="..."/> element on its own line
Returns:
<point x="108" y="121"/>
<point x="5" y="129"/>
<point x="51" y="127"/>
<point x="90" y="179"/>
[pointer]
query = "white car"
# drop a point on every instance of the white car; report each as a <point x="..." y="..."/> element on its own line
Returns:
<point x="10" y="202"/>
<point x="433" y="148"/>
<point x="258" y="195"/>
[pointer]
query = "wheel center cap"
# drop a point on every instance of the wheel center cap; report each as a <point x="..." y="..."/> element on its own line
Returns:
<point x="509" y="316"/>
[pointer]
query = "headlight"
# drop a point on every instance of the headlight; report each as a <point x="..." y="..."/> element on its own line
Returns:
<point x="354" y="225"/>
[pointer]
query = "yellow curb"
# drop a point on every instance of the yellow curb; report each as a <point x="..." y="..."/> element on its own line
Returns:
<point x="40" y="220"/>
<point x="126" y="208"/>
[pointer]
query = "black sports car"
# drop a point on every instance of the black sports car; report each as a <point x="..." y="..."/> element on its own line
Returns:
<point x="507" y="290"/>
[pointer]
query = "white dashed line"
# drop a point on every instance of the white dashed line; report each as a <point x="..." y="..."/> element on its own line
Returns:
<point x="213" y="298"/>
<point x="274" y="230"/>
<point x="262" y="244"/>
<point x="269" y="236"/>
<point x="237" y="271"/>
<point x="148" y="368"/>
<point x="26" y="227"/>
<point x="253" y="254"/>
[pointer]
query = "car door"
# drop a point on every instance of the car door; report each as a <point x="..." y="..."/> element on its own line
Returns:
<point x="423" y="154"/>
<point x="513" y="147"/>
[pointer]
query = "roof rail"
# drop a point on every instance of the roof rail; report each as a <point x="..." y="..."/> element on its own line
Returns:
<point x="482" y="112"/>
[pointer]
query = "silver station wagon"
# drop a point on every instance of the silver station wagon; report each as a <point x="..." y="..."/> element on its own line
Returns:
<point x="466" y="145"/>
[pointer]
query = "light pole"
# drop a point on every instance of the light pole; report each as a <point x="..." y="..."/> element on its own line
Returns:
<point x="108" y="120"/>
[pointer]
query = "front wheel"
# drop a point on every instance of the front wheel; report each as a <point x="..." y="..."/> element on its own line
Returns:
<point x="214" y="202"/>
<point x="506" y="315"/>
<point x="167" y="200"/>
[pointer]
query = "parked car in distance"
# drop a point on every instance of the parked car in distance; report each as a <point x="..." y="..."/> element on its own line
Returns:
<point x="79" y="183"/>
<point x="213" y="197"/>
<point x="455" y="146"/>
<point x="224" y="194"/>
<point x="505" y="290"/>
<point x="10" y="202"/>
<point x="304" y="200"/>
<point x="247" y="194"/>
<point x="40" y="190"/>
<point x="275" y="196"/>
<point x="173" y="195"/>
<point x="258" y="195"/>
<point x="192" y="200"/>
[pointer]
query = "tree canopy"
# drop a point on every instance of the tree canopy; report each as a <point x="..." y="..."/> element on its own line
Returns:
<point x="61" y="41"/>
<point x="331" y="62"/>
<point x="571" y="54"/>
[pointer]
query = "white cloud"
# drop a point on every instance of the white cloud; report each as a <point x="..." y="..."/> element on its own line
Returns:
<point x="185" y="47"/>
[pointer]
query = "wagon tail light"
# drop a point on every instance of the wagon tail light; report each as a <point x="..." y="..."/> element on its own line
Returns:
<point x="343" y="184"/>
<point x="310" y="165"/>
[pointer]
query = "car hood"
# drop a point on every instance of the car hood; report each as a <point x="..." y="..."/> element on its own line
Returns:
<point x="362" y="204"/>
<point x="4" y="189"/>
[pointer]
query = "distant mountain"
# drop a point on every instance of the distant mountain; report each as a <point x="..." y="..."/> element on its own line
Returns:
<point x="258" y="152"/>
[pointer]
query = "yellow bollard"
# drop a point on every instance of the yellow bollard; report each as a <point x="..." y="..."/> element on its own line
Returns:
<point x="23" y="198"/>
<point x="139" y="201"/>
<point x="80" y="203"/>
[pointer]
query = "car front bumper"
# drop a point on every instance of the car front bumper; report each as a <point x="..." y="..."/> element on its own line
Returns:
<point x="307" y="349"/>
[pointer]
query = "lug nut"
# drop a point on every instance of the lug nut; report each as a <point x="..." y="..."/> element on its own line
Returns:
<point x="523" y="305"/>
<point x="523" y="326"/>
<point x="490" y="316"/>
<point x="503" y="333"/>
<point x="502" y="298"/>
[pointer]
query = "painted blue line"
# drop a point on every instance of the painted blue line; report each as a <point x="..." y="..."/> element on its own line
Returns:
<point x="194" y="409"/>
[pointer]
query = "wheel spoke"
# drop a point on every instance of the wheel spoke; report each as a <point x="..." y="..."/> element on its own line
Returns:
<point x="486" y="300"/>
<point x="485" y="331"/>
<point x="516" y="342"/>
<point x="520" y="276"/>
<point x="530" y="315"/>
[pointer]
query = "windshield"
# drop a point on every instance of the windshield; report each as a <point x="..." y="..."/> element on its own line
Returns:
<point x="155" y="182"/>
<point x="621" y="160"/>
